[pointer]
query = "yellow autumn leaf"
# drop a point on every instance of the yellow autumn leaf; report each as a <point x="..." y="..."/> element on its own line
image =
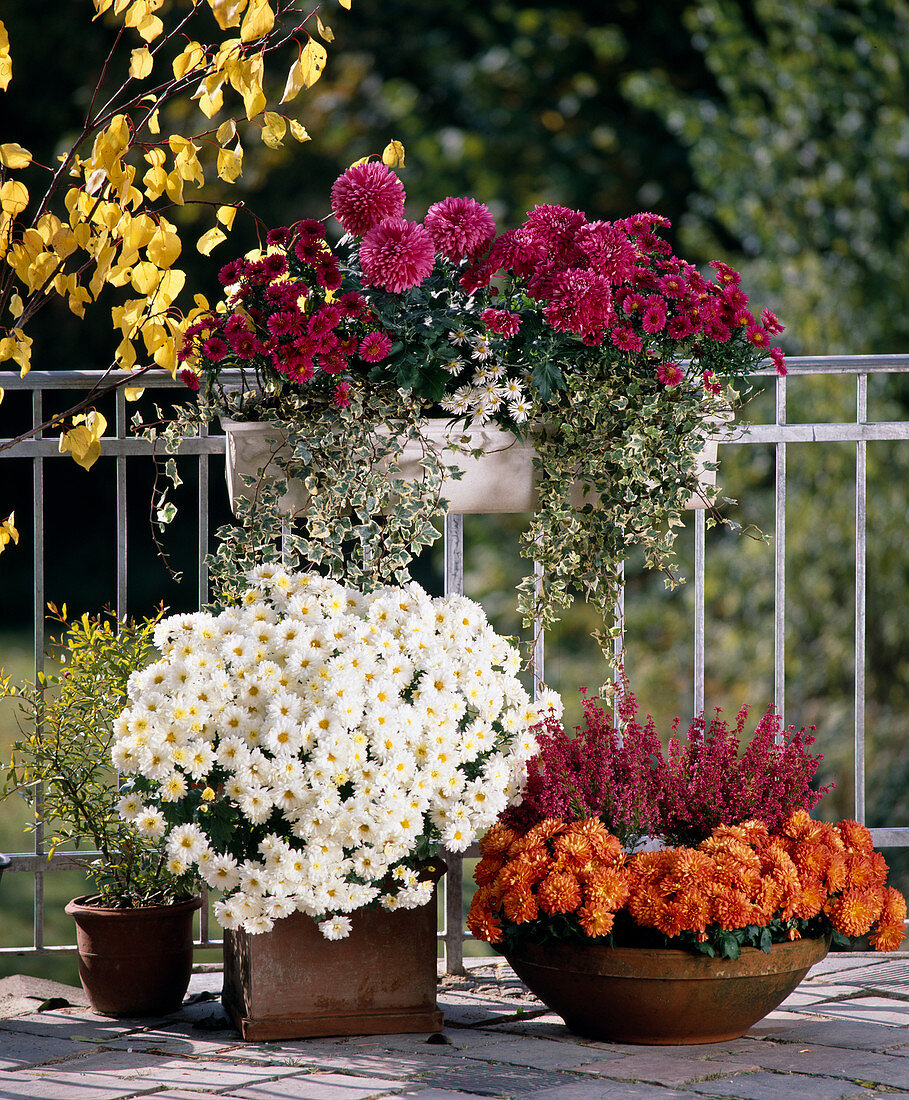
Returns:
<point x="191" y="58"/>
<point x="306" y="70"/>
<point x="393" y="154"/>
<point x="12" y="155"/>
<point x="226" y="215"/>
<point x="210" y="240"/>
<point x="2" y="394"/>
<point x="13" y="197"/>
<point x="6" y="62"/>
<point x="226" y="132"/>
<point x="133" y="393"/>
<point x="230" y="163"/>
<point x="140" y="65"/>
<point x="83" y="439"/>
<point x="18" y="347"/>
<point x="164" y="247"/>
<point x="16" y="306"/>
<point x="172" y="282"/>
<point x="324" y="30"/>
<point x="257" y="22"/>
<point x="154" y="126"/>
<point x="273" y="130"/>
<point x="227" y="12"/>
<point x="8" y="532"/>
<point x="298" y="131"/>
<point x="345" y="4"/>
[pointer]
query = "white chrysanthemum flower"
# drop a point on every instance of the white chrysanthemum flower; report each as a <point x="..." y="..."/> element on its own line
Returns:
<point x="221" y="873"/>
<point x="151" y="824"/>
<point x="177" y="865"/>
<point x="173" y="788"/>
<point x="255" y="803"/>
<point x="130" y="806"/>
<point x="336" y="928"/>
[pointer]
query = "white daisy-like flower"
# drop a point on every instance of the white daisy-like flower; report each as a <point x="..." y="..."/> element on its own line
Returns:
<point x="336" y="928"/>
<point x="151" y="824"/>
<point x="459" y="336"/>
<point x="130" y="806"/>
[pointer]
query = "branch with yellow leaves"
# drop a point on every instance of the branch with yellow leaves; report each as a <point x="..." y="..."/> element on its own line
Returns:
<point x="109" y="226"/>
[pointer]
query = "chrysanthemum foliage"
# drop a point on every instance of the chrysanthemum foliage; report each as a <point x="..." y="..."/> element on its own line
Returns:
<point x="309" y="749"/>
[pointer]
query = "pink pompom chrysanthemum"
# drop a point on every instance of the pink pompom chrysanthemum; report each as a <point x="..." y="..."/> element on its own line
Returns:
<point x="365" y="195"/>
<point x="581" y="302"/>
<point x="460" y="227"/>
<point x="397" y="255"/>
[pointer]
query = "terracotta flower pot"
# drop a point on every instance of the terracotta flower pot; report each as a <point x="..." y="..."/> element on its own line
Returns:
<point x="292" y="983"/>
<point x="642" y="995"/>
<point x="135" y="962"/>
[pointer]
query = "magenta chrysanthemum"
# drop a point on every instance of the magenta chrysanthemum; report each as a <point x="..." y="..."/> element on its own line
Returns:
<point x="459" y="227"/>
<point x="669" y="374"/>
<point x="581" y="302"/>
<point x="365" y="195"/>
<point x="501" y="320"/>
<point x="396" y="255"/>
<point x="374" y="347"/>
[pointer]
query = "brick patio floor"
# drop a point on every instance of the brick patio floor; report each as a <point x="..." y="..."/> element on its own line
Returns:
<point x="844" y="1033"/>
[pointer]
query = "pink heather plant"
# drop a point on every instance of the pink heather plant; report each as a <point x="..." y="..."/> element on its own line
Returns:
<point x="621" y="774"/>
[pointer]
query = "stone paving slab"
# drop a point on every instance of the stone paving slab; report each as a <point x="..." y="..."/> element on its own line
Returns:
<point x="842" y="1034"/>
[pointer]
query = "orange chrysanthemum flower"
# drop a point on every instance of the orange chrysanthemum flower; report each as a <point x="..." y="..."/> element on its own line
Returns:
<point x="498" y="840"/>
<point x="691" y="868"/>
<point x="607" y="887"/>
<point x="487" y="869"/>
<point x="546" y="829"/>
<point x="520" y="905"/>
<point x="854" y="912"/>
<point x="559" y="892"/>
<point x="731" y="908"/>
<point x="836" y="876"/>
<point x="809" y="901"/>
<point x="596" y="921"/>
<point x="888" y="936"/>
<point x="799" y="826"/>
<point x="864" y="872"/>
<point x="573" y="849"/>
<point x="483" y="924"/>
<point x="856" y="836"/>
<point x="606" y="846"/>
<point x="894" y="907"/>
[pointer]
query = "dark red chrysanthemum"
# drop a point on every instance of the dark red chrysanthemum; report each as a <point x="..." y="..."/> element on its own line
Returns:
<point x="396" y="255"/>
<point x="459" y="227"/>
<point x="581" y="302"/>
<point x="366" y="195"/>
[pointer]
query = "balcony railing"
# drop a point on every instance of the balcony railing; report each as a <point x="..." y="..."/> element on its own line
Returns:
<point x="43" y="452"/>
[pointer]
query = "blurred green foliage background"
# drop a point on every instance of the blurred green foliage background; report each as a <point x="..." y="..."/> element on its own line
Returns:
<point x="774" y="134"/>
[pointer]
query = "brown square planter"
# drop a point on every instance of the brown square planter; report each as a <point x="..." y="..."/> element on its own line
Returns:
<point x="292" y="983"/>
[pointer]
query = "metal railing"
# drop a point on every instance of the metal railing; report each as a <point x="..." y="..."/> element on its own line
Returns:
<point x="778" y="433"/>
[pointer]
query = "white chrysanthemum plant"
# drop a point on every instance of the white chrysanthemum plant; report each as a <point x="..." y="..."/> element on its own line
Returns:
<point x="311" y="748"/>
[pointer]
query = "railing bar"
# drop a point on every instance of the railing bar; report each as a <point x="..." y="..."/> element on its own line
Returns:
<point x="779" y="562"/>
<point x="453" y="931"/>
<point x="122" y="562"/>
<point x="40" y="599"/>
<point x="700" y="557"/>
<point x="861" y="516"/>
<point x="539" y="643"/>
<point x="204" y="504"/>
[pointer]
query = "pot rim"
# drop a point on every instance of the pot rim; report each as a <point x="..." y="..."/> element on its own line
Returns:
<point x="77" y="906"/>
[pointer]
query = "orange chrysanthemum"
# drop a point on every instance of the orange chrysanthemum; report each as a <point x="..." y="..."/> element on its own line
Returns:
<point x="596" y="921"/>
<point x="856" y="836"/>
<point x="809" y="901"/>
<point x="691" y="868"/>
<point x="864" y="872"/>
<point x="607" y="887"/>
<point x="520" y="905"/>
<point x="573" y="849"/>
<point x="894" y="907"/>
<point x="606" y="847"/>
<point x="854" y="912"/>
<point x="836" y="876"/>
<point x="731" y="908"/>
<point x="498" y="840"/>
<point x="888" y="936"/>
<point x="559" y="892"/>
<point x="799" y="826"/>
<point x="487" y="869"/>
<point x="546" y="829"/>
<point x="483" y="924"/>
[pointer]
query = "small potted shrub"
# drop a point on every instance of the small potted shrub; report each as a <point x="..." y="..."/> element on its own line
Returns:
<point x="696" y="939"/>
<point x="134" y="932"/>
